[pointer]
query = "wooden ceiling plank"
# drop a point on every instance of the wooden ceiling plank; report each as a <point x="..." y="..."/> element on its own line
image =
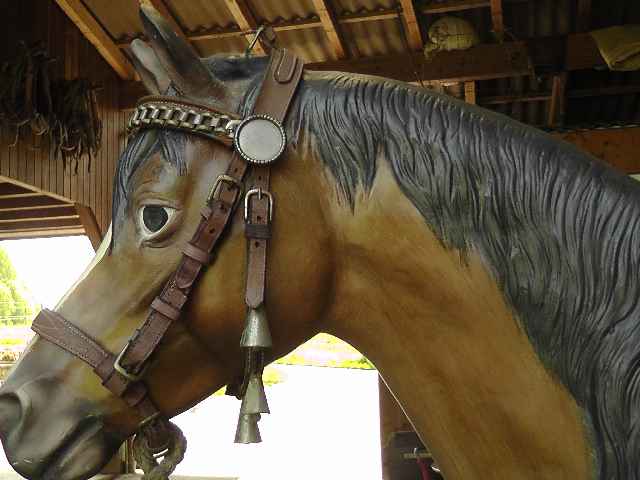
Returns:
<point x="93" y="31"/>
<point x="38" y="212"/>
<point x="384" y="14"/>
<point x="40" y="224"/>
<point x="528" y="97"/>
<point x="23" y="221"/>
<point x="20" y="195"/>
<point x="7" y="188"/>
<point x="88" y="220"/>
<point x="331" y="28"/>
<point x="497" y="19"/>
<point x="24" y="203"/>
<point x="41" y="233"/>
<point x="412" y="26"/>
<point x="454" y="6"/>
<point x="246" y="21"/>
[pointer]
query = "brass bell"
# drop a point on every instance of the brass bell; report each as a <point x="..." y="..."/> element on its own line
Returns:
<point x="256" y="332"/>
<point x="255" y="398"/>
<point x="247" y="430"/>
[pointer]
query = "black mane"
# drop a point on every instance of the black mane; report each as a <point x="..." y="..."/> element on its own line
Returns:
<point x="559" y="229"/>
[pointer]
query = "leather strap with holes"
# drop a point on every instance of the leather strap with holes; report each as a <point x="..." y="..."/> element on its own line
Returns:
<point x="283" y="76"/>
<point x="277" y="90"/>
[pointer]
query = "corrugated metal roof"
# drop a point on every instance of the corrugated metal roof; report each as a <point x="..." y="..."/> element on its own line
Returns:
<point x="523" y="19"/>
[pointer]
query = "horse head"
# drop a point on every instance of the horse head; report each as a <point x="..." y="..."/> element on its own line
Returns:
<point x="57" y="421"/>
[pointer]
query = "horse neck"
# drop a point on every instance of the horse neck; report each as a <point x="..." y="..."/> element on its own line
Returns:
<point x="440" y="333"/>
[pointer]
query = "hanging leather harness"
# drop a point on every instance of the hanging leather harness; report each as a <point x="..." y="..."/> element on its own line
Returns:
<point x="258" y="140"/>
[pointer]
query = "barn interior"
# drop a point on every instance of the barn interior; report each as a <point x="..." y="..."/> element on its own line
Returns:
<point x="568" y="67"/>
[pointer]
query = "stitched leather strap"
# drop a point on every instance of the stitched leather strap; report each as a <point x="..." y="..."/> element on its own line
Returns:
<point x="283" y="76"/>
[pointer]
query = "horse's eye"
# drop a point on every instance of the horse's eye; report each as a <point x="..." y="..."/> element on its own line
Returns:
<point x="155" y="217"/>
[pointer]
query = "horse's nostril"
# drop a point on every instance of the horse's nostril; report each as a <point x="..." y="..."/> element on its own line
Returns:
<point x="10" y="413"/>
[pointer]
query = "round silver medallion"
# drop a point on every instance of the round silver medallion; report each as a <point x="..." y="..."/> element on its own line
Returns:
<point x="260" y="139"/>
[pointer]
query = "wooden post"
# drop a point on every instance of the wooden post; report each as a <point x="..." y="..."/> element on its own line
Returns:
<point x="470" y="92"/>
<point x="557" y="105"/>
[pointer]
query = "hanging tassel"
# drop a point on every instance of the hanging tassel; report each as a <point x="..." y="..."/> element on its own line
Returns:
<point x="247" y="430"/>
<point x="256" y="332"/>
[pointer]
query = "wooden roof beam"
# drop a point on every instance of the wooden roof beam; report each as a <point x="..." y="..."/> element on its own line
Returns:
<point x="497" y="19"/>
<point x="331" y="28"/>
<point x="411" y="24"/>
<point x="99" y="38"/>
<point x="246" y="21"/>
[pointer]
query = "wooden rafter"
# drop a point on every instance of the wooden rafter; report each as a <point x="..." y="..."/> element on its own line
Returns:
<point x="546" y="96"/>
<point x="246" y="21"/>
<point x="29" y="202"/>
<point x="583" y="17"/>
<point x="331" y="28"/>
<point x="497" y="19"/>
<point x="412" y="27"/>
<point x="100" y="39"/>
<point x="483" y="62"/>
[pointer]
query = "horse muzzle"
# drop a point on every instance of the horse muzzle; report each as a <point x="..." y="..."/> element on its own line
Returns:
<point x="48" y="434"/>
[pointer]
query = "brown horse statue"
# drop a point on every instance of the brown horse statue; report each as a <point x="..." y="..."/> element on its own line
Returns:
<point x="489" y="271"/>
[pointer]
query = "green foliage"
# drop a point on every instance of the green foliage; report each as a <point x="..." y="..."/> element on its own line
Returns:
<point x="360" y="363"/>
<point x="15" y="306"/>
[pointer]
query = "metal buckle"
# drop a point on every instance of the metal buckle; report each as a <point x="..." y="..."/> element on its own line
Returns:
<point x="259" y="193"/>
<point x="219" y="181"/>
<point x="122" y="371"/>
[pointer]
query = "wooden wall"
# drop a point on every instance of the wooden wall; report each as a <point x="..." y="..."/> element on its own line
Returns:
<point x="42" y="20"/>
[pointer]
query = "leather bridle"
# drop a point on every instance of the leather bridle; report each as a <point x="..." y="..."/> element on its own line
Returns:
<point x="255" y="142"/>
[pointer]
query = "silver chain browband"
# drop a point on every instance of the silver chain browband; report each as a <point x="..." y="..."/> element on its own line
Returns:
<point x="259" y="139"/>
<point x="213" y="124"/>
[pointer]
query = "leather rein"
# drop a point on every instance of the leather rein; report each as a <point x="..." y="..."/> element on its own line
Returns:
<point x="257" y="141"/>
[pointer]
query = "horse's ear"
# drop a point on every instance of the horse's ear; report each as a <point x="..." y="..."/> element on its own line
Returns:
<point x="152" y="73"/>
<point x="179" y="59"/>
